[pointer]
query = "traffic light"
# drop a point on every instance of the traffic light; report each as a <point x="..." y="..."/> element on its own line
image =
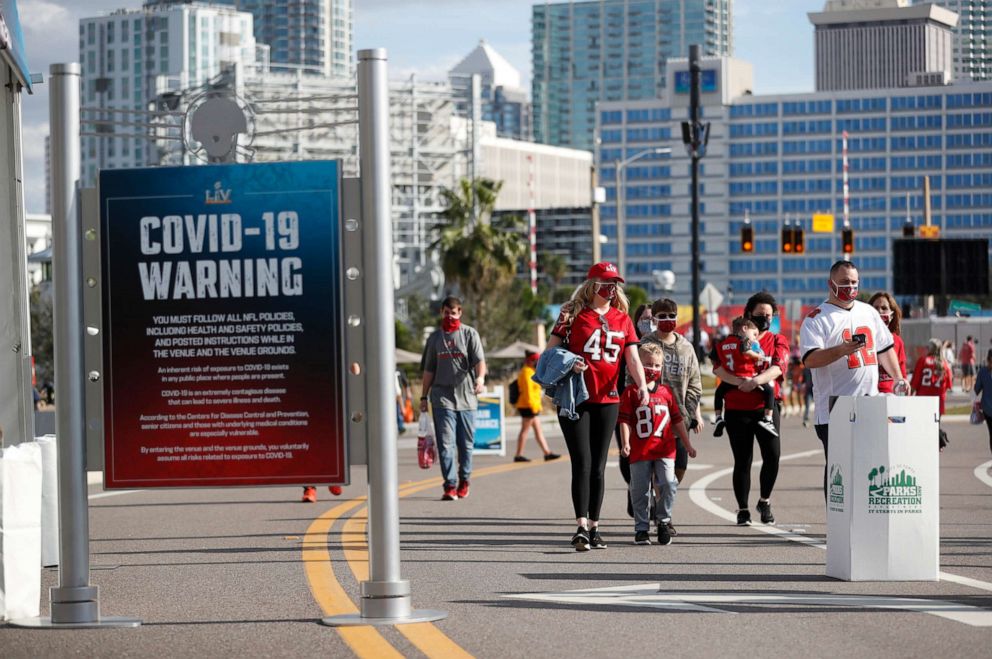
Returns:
<point x="908" y="229"/>
<point x="747" y="238"/>
<point x="799" y="241"/>
<point x="788" y="237"/>
<point x="847" y="240"/>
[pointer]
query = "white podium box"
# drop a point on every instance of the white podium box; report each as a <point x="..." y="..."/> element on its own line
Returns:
<point x="883" y="487"/>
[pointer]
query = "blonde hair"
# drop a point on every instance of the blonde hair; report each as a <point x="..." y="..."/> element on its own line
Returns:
<point x="651" y="348"/>
<point x="582" y="298"/>
<point x="934" y="349"/>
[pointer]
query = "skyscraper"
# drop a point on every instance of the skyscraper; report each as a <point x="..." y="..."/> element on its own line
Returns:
<point x="503" y="101"/>
<point x="972" y="38"/>
<point x="313" y="34"/>
<point x="612" y="50"/>
<point x="882" y="44"/>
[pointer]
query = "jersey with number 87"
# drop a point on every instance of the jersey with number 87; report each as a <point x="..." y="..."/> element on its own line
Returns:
<point x="652" y="426"/>
<point x="601" y="342"/>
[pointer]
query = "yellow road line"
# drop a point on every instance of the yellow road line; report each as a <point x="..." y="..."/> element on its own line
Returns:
<point x="365" y="641"/>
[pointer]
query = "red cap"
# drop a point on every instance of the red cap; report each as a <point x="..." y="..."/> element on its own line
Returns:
<point x="604" y="270"/>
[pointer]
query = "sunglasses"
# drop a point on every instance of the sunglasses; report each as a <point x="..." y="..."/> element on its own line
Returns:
<point x="666" y="316"/>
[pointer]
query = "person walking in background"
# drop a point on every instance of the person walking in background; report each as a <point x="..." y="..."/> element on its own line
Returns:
<point x="932" y="374"/>
<point x="744" y="411"/>
<point x="594" y="325"/>
<point x="983" y="389"/>
<point x="681" y="373"/>
<point x="529" y="408"/>
<point x="949" y="355"/>
<point x="795" y="379"/>
<point x="648" y="441"/>
<point x="454" y="374"/>
<point x="888" y="309"/>
<point x="842" y="342"/>
<point x="966" y="357"/>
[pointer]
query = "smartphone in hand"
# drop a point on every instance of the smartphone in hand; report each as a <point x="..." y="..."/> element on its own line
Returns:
<point x="860" y="338"/>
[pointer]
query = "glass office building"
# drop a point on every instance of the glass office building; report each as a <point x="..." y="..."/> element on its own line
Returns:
<point x="612" y="50"/>
<point x="777" y="158"/>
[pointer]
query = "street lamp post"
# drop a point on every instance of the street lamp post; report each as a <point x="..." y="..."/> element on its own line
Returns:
<point x="620" y="164"/>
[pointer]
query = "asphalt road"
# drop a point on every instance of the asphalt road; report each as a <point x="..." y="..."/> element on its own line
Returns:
<point x="249" y="572"/>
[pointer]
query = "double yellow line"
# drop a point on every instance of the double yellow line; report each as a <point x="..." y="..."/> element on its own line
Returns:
<point x="366" y="641"/>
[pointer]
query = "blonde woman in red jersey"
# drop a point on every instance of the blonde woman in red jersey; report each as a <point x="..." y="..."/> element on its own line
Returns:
<point x="594" y="325"/>
<point x="932" y="375"/>
<point x="888" y="309"/>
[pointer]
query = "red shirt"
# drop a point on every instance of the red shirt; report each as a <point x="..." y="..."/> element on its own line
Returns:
<point x="651" y="433"/>
<point x="731" y="355"/>
<point x="601" y="341"/>
<point x="886" y="385"/>
<point x="967" y="355"/>
<point x="926" y="382"/>
<point x="774" y="346"/>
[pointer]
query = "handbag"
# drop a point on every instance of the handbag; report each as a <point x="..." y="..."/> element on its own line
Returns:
<point x="426" y="451"/>
<point x="408" y="411"/>
<point x="977" y="415"/>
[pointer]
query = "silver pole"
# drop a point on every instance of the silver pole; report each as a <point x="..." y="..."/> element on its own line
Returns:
<point x="621" y="252"/>
<point x="74" y="603"/>
<point x="385" y="596"/>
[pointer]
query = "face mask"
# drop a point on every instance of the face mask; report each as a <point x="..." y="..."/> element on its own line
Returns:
<point x="449" y="324"/>
<point x="886" y="317"/>
<point x="666" y="326"/>
<point x="762" y="322"/>
<point x="844" y="293"/>
<point x="606" y="291"/>
<point x="646" y="326"/>
<point x="652" y="374"/>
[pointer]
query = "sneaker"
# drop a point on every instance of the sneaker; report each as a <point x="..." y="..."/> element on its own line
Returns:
<point x="664" y="537"/>
<point x="463" y="489"/>
<point x="309" y="494"/>
<point x="743" y="518"/>
<point x="581" y="539"/>
<point x="595" y="539"/>
<point x="671" y="529"/>
<point x="765" y="508"/>
<point x="551" y="456"/>
<point x="769" y="426"/>
<point x="806" y="423"/>
<point x="450" y="494"/>
<point x="642" y="538"/>
<point x="335" y="490"/>
<point x="521" y="458"/>
<point x="718" y="428"/>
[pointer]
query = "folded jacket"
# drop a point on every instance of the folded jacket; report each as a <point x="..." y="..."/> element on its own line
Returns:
<point x="566" y="387"/>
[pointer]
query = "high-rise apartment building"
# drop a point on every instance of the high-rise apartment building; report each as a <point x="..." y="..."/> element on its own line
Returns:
<point x="882" y="44"/>
<point x="130" y="57"/>
<point x="972" y="37"/>
<point x="588" y="52"/>
<point x="501" y="98"/>
<point x="312" y="34"/>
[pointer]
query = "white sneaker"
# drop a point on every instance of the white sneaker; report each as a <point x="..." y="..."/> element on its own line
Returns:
<point x="769" y="426"/>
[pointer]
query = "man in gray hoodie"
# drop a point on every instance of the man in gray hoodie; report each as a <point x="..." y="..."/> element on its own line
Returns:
<point x="681" y="373"/>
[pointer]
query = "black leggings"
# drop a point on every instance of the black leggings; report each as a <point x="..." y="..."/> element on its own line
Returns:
<point x="743" y="429"/>
<point x="588" y="442"/>
<point x="988" y="422"/>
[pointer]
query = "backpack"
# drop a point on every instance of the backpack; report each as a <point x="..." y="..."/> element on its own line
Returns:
<point x="514" y="391"/>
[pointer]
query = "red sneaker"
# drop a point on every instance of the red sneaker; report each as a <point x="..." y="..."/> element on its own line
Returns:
<point x="335" y="490"/>
<point x="449" y="493"/>
<point x="463" y="490"/>
<point x="309" y="494"/>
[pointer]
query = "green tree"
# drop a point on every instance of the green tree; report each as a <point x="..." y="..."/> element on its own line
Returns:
<point x="636" y="296"/>
<point x="42" y="336"/>
<point x="555" y="269"/>
<point x="480" y="255"/>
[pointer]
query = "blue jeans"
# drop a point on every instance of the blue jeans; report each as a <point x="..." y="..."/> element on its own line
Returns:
<point x="454" y="428"/>
<point x="640" y="490"/>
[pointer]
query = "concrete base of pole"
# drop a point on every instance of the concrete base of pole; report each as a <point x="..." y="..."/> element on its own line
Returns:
<point x="46" y="623"/>
<point x="355" y="619"/>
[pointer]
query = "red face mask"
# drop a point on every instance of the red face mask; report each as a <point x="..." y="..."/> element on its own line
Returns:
<point x="449" y="324"/>
<point x="666" y="326"/>
<point x="607" y="291"/>
<point x="652" y="374"/>
<point x="845" y="293"/>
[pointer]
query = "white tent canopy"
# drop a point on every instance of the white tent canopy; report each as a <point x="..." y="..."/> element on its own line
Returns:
<point x="516" y="350"/>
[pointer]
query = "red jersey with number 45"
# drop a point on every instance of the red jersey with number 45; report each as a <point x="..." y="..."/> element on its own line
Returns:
<point x="928" y="382"/>
<point x="730" y="352"/>
<point x="652" y="436"/>
<point x="601" y="341"/>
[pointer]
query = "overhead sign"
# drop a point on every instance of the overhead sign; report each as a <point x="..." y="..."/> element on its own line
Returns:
<point x="222" y="336"/>
<point x="929" y="231"/>
<point x="823" y="223"/>
<point x="707" y="81"/>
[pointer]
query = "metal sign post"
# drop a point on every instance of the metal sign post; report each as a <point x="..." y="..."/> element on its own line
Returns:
<point x="385" y="596"/>
<point x="74" y="603"/>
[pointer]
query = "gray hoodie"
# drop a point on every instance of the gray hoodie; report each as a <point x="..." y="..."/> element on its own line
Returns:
<point x="681" y="372"/>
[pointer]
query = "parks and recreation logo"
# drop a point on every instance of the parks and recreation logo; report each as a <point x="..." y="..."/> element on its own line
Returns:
<point x="835" y="489"/>
<point x="894" y="489"/>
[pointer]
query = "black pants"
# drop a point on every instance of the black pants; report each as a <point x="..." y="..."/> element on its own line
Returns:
<point x="743" y="429"/>
<point x="988" y="422"/>
<point x="767" y="390"/>
<point x="822" y="430"/>
<point x="588" y="442"/>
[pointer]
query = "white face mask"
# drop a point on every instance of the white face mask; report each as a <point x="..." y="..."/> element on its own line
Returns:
<point x="646" y="326"/>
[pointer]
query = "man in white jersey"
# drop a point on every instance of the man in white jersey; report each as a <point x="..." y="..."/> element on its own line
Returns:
<point x="842" y="342"/>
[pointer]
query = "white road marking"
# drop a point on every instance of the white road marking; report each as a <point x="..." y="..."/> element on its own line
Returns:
<point x="651" y="596"/>
<point x="697" y="493"/>
<point x="982" y="473"/>
<point x="101" y="495"/>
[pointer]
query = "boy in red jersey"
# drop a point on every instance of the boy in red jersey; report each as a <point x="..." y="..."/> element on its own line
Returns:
<point x="932" y="375"/>
<point x="647" y="438"/>
<point x="740" y="353"/>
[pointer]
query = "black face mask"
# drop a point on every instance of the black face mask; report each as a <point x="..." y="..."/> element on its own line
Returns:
<point x="762" y="322"/>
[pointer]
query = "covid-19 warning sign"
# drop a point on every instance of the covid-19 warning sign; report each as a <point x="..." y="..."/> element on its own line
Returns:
<point x="222" y="337"/>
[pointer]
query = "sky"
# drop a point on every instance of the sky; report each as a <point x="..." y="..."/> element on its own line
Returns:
<point x="425" y="37"/>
